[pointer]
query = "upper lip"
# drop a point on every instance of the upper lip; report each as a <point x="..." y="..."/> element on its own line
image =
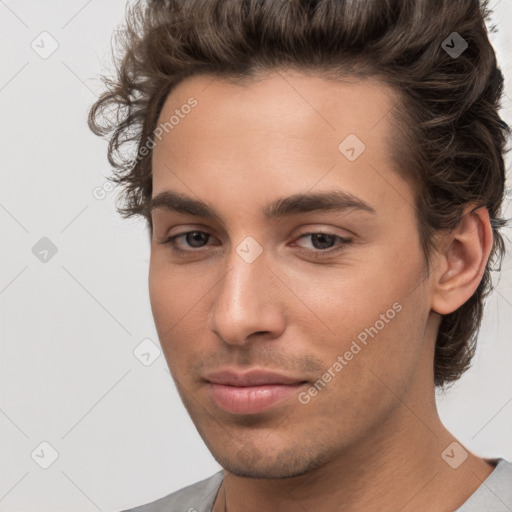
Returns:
<point x="250" y="378"/>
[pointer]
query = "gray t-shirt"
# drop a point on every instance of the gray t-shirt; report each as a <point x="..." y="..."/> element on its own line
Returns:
<point x="494" y="495"/>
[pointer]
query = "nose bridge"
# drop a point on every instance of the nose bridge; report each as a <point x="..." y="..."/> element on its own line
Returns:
<point x="244" y="301"/>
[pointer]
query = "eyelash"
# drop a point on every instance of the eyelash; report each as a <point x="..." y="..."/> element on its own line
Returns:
<point x="346" y="243"/>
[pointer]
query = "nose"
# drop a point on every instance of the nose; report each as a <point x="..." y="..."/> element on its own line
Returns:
<point x="247" y="303"/>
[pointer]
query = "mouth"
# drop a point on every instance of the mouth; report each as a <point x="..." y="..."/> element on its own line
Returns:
<point x="251" y="392"/>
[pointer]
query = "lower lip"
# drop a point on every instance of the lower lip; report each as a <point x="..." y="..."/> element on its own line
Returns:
<point x="250" y="399"/>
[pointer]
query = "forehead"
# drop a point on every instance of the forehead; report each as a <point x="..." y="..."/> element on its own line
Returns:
<point x="285" y="101"/>
<point x="283" y="132"/>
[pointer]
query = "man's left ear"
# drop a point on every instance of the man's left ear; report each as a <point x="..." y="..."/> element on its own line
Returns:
<point x="461" y="261"/>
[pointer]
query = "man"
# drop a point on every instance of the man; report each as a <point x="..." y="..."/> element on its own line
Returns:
<point x="322" y="183"/>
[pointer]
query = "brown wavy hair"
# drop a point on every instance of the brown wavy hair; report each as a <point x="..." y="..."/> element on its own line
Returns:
<point x="451" y="139"/>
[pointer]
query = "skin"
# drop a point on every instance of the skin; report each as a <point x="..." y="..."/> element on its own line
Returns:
<point x="371" y="439"/>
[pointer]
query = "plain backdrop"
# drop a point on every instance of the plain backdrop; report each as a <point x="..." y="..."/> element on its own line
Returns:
<point x="74" y="296"/>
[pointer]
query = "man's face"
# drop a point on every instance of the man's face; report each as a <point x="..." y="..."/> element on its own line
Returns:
<point x="345" y="323"/>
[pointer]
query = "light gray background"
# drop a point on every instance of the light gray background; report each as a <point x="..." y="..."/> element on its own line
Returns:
<point x="69" y="326"/>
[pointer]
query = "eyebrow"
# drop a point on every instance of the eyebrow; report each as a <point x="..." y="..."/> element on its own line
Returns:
<point x="332" y="200"/>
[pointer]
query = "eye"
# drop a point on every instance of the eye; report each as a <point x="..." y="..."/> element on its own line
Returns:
<point x="323" y="243"/>
<point x="195" y="239"/>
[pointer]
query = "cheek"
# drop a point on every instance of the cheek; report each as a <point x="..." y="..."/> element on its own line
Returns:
<point x="344" y="301"/>
<point x="174" y="290"/>
<point x="179" y="304"/>
<point x="372" y="313"/>
<point x="168" y="301"/>
<point x="374" y="374"/>
<point x="160" y="296"/>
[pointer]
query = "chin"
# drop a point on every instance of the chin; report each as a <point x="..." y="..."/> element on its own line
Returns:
<point x="252" y="462"/>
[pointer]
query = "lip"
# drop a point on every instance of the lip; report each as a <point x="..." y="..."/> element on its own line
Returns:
<point x="251" y="392"/>
<point x="250" y="378"/>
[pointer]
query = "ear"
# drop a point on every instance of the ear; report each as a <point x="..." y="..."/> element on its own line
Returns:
<point x="461" y="261"/>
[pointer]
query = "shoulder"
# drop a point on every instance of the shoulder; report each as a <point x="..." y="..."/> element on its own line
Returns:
<point x="198" y="497"/>
<point x="495" y="493"/>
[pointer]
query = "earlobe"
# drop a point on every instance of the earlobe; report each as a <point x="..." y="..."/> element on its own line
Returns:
<point x="461" y="261"/>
